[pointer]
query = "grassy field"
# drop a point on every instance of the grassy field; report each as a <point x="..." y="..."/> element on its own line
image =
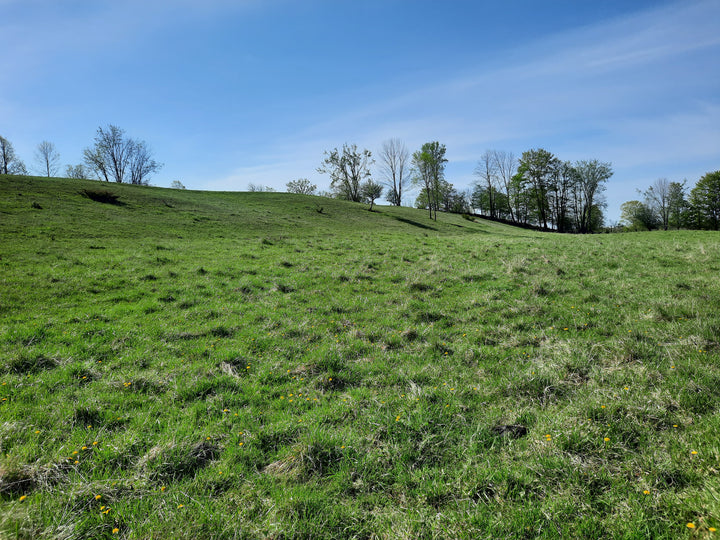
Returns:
<point x="179" y="364"/>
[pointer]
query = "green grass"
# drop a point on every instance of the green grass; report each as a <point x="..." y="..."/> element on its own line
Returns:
<point x="180" y="364"/>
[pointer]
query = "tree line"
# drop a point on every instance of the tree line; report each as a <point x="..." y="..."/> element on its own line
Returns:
<point x="542" y="190"/>
<point x="670" y="205"/>
<point x="537" y="189"/>
<point x="112" y="157"/>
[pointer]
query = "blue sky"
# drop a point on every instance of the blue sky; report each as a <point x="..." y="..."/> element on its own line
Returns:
<point x="233" y="92"/>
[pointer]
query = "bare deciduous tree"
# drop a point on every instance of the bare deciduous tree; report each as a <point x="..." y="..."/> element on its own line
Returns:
<point x="393" y="164"/>
<point x="486" y="170"/>
<point x="47" y="159"/>
<point x="141" y="163"/>
<point x="113" y="155"/>
<point x="95" y="161"/>
<point x="347" y="169"/>
<point x="259" y="188"/>
<point x="78" y="172"/>
<point x="657" y="197"/>
<point x="506" y="165"/>
<point x="9" y="162"/>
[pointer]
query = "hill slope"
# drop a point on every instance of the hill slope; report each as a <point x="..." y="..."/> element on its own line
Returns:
<point x="181" y="364"/>
<point x="142" y="212"/>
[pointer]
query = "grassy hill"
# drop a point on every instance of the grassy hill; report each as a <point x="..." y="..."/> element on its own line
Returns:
<point x="181" y="364"/>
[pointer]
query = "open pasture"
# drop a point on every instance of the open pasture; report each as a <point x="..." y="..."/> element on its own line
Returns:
<point x="178" y="364"/>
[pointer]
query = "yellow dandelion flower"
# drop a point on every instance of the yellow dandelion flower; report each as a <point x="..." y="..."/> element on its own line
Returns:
<point x="691" y="525"/>
<point x="115" y="530"/>
<point x="22" y="498"/>
<point x="694" y="452"/>
<point x="95" y="443"/>
<point x="606" y="439"/>
<point x="712" y="529"/>
<point x="646" y="492"/>
<point x="162" y="488"/>
<point x="98" y="497"/>
<point x="207" y="439"/>
<point x="37" y="431"/>
<point x="240" y="444"/>
<point x="84" y="448"/>
<point x="180" y="506"/>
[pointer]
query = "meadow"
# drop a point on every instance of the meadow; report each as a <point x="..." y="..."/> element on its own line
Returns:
<point x="180" y="364"/>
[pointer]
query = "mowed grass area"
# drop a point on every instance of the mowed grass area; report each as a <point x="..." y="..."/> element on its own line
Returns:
<point x="182" y="364"/>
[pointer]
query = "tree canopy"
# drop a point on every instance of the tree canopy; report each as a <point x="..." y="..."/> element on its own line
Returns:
<point x="429" y="173"/>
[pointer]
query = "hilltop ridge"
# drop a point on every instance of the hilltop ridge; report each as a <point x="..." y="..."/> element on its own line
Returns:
<point x="64" y="206"/>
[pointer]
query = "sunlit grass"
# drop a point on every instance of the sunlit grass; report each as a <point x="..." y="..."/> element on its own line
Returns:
<point x="224" y="365"/>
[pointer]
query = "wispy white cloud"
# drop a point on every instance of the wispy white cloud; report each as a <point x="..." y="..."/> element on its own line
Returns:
<point x="631" y="91"/>
<point x="642" y="91"/>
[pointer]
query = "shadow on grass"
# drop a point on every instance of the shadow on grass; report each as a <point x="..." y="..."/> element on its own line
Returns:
<point x="102" y="196"/>
<point x="414" y="223"/>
